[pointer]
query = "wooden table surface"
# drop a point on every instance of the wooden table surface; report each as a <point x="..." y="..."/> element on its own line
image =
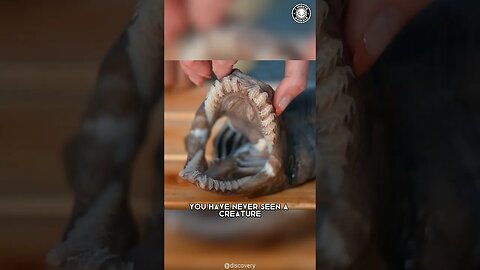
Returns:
<point x="180" y="107"/>
<point x="183" y="252"/>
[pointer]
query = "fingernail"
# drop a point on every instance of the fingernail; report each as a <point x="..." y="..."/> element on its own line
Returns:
<point x="283" y="104"/>
<point x="384" y="27"/>
<point x="362" y="60"/>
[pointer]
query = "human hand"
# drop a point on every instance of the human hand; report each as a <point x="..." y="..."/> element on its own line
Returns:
<point x="198" y="71"/>
<point x="174" y="77"/>
<point x="294" y="82"/>
<point x="200" y="15"/>
<point x="372" y="24"/>
<point x="177" y="21"/>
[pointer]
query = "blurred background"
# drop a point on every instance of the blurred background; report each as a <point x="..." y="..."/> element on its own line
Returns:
<point x="50" y="52"/>
<point x="238" y="29"/>
<point x="280" y="240"/>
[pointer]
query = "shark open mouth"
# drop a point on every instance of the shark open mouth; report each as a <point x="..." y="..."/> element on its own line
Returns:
<point x="252" y="156"/>
<point x="246" y="153"/>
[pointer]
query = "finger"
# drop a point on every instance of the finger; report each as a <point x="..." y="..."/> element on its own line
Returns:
<point x="196" y="79"/>
<point x="200" y="67"/>
<point x="295" y="81"/>
<point x="197" y="71"/>
<point x="222" y="68"/>
<point x="183" y="81"/>
<point x="372" y="24"/>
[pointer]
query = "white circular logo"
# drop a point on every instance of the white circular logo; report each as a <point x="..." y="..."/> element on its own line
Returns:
<point x="301" y="13"/>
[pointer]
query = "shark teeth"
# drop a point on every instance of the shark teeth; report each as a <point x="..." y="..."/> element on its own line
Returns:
<point x="227" y="88"/>
<point x="266" y="121"/>
<point x="217" y="91"/>
<point x="334" y="86"/>
<point x="210" y="184"/>
<point x="202" y="182"/>
<point x="207" y="183"/>
<point x="267" y="117"/>
<point x="213" y="99"/>
<point x="222" y="186"/>
<point x="270" y="129"/>
<point x="337" y="107"/>
<point x="260" y="99"/>
<point x="228" y="185"/>
<point x="216" y="184"/>
<point x="234" y="184"/>
<point x="269" y="137"/>
<point x="266" y="111"/>
<point x="329" y="52"/>
<point x="234" y="84"/>
<point x="254" y="92"/>
<point x="230" y="85"/>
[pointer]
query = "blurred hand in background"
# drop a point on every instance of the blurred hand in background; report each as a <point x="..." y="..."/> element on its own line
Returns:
<point x="372" y="24"/>
<point x="201" y="16"/>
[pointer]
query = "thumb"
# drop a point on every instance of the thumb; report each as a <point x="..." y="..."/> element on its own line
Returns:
<point x="292" y="85"/>
<point x="222" y="68"/>
<point x="372" y="24"/>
